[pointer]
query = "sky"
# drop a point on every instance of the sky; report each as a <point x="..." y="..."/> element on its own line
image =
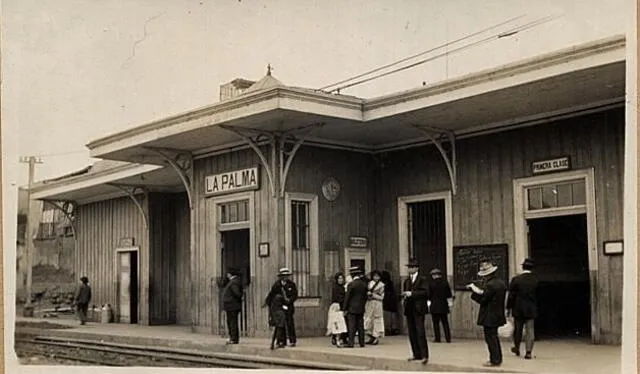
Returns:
<point x="74" y="71"/>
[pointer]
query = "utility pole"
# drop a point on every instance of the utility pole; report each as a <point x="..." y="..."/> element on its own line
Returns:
<point x="32" y="161"/>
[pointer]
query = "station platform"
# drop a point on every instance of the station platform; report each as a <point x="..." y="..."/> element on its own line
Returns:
<point x="391" y="354"/>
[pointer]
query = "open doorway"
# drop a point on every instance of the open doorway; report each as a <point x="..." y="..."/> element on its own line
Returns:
<point x="428" y="234"/>
<point x="235" y="247"/>
<point x="127" y="309"/>
<point x="559" y="247"/>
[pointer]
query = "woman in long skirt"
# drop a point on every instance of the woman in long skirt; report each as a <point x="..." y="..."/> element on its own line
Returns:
<point x="336" y="324"/>
<point x="374" y="314"/>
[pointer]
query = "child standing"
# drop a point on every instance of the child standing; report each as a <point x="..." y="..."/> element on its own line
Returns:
<point x="277" y="321"/>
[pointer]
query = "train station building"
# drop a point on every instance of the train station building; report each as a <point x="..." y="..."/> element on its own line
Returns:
<point x="524" y="160"/>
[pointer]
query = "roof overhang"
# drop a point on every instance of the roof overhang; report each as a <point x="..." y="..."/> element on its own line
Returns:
<point x="578" y="79"/>
<point x="101" y="185"/>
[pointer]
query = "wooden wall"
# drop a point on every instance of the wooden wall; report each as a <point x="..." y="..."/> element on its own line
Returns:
<point x="483" y="207"/>
<point x="182" y="259"/>
<point x="100" y="226"/>
<point x="351" y="213"/>
<point x="205" y="269"/>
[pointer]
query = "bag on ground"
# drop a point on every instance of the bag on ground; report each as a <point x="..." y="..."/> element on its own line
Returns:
<point x="506" y="330"/>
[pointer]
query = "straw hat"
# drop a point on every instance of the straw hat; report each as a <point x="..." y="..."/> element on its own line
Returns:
<point x="355" y="270"/>
<point x="487" y="268"/>
<point x="283" y="272"/>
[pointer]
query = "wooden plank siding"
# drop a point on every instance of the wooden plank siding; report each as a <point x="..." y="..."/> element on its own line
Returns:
<point x="100" y="226"/>
<point x="352" y="213"/>
<point x="182" y="260"/>
<point x="206" y="269"/>
<point x="483" y="206"/>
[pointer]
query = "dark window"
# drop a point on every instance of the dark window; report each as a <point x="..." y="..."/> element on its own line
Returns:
<point x="301" y="253"/>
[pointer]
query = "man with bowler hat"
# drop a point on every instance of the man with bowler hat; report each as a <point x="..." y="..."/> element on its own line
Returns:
<point x="490" y="295"/>
<point x="441" y="299"/>
<point x="354" y="305"/>
<point x="289" y="291"/>
<point x="522" y="305"/>
<point x="232" y="294"/>
<point x="415" y="294"/>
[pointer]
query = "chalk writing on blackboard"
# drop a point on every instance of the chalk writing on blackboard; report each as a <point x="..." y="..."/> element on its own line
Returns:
<point x="467" y="259"/>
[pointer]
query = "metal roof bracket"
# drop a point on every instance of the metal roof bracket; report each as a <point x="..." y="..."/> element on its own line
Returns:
<point x="436" y="136"/>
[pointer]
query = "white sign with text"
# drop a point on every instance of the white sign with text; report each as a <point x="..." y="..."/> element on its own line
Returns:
<point x="232" y="181"/>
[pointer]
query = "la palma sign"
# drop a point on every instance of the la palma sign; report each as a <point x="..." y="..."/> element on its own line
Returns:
<point x="232" y="181"/>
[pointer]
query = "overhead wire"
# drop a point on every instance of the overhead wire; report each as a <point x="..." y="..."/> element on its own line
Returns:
<point x="504" y="34"/>
<point x="422" y="53"/>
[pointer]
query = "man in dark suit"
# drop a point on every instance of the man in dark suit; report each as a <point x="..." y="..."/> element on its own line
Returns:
<point x="441" y="300"/>
<point x="82" y="299"/>
<point x="415" y="293"/>
<point x="288" y="289"/>
<point x="491" y="315"/>
<point x="354" y="304"/>
<point x="522" y="306"/>
<point x="232" y="303"/>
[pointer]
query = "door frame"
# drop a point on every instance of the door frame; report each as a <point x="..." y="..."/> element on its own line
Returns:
<point x="521" y="244"/>
<point x="357" y="254"/>
<point x="117" y="253"/>
<point x="213" y="259"/>
<point x="403" y="227"/>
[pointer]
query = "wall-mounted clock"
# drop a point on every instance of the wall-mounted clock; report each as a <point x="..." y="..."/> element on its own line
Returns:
<point x="331" y="188"/>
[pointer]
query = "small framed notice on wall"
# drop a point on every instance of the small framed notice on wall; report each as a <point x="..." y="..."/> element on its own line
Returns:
<point x="613" y="248"/>
<point x="263" y="249"/>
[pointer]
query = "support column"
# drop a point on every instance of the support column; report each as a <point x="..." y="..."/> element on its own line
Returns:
<point x="436" y="136"/>
<point x="182" y="163"/>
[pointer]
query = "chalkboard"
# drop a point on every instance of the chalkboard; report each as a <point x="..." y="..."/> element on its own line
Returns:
<point x="467" y="259"/>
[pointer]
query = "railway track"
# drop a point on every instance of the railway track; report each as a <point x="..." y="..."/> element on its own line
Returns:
<point x="116" y="354"/>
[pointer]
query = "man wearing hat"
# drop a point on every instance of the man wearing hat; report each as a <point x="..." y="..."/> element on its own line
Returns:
<point x="288" y="289"/>
<point x="522" y="306"/>
<point x="441" y="299"/>
<point x="82" y="299"/>
<point x="355" y="300"/>
<point x="232" y="303"/>
<point x="415" y="296"/>
<point x="491" y="314"/>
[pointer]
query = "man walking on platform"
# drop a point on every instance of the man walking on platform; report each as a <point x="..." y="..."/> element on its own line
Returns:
<point x="289" y="291"/>
<point x="441" y="300"/>
<point x="82" y="299"/>
<point x="415" y="295"/>
<point x="522" y="305"/>
<point x="232" y="303"/>
<point x="354" y="306"/>
<point x="491" y="315"/>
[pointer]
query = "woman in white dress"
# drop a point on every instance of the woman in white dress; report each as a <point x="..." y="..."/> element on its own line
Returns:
<point x="374" y="313"/>
<point x="336" y="324"/>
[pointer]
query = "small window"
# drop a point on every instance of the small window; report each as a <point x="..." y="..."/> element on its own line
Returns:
<point x="234" y="211"/>
<point x="556" y="195"/>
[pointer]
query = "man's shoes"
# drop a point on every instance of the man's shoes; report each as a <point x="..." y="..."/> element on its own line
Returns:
<point x="229" y="342"/>
<point x="292" y="344"/>
<point x="413" y="359"/>
<point x="490" y="364"/>
<point x="425" y="361"/>
<point x="527" y="356"/>
<point x="515" y="351"/>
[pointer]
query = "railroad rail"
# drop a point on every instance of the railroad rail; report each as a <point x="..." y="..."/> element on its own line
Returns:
<point x="115" y="354"/>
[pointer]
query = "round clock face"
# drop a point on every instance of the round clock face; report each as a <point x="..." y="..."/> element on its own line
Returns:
<point x="331" y="189"/>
